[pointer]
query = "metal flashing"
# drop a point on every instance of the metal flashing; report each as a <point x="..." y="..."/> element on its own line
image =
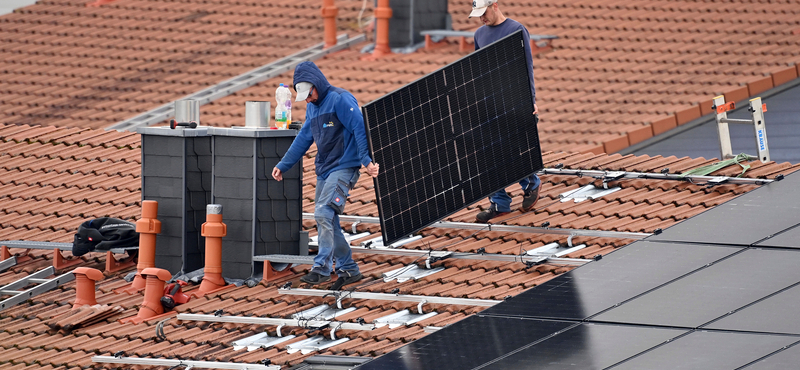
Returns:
<point x="166" y="131"/>
<point x="261" y="340"/>
<point x="410" y="272"/>
<point x="402" y="318"/>
<point x="586" y="192"/>
<point x="187" y="363"/>
<point x="313" y="344"/>
<point x="322" y="312"/>
<point x="251" y="132"/>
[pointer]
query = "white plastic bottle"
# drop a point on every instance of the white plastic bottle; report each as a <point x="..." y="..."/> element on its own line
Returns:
<point x="282" y="96"/>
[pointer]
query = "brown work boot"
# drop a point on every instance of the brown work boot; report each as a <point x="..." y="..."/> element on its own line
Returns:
<point x="530" y="198"/>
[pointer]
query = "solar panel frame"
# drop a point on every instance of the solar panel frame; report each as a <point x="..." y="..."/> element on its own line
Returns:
<point x="435" y="156"/>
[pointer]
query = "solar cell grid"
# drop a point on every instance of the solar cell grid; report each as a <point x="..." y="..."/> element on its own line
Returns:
<point x="453" y="137"/>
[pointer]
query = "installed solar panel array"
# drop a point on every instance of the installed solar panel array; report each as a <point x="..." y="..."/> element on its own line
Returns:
<point x="453" y="137"/>
<point x="706" y="293"/>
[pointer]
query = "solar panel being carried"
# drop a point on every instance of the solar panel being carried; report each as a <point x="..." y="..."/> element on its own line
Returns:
<point x="453" y="137"/>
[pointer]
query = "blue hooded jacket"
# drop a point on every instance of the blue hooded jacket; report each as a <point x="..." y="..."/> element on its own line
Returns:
<point x="334" y="122"/>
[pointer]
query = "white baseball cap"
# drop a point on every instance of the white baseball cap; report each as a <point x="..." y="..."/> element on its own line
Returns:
<point x="479" y="7"/>
<point x="302" y="88"/>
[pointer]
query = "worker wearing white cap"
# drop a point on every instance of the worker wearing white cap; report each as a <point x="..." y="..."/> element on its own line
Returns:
<point x="495" y="27"/>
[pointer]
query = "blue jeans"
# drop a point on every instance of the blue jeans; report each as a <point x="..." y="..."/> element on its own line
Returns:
<point x="329" y="201"/>
<point x="501" y="202"/>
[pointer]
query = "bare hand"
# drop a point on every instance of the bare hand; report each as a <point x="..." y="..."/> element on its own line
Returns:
<point x="277" y="174"/>
<point x="535" y="109"/>
<point x="373" y="169"/>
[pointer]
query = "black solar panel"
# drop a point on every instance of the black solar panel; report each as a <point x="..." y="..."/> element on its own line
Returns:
<point x="453" y="137"/>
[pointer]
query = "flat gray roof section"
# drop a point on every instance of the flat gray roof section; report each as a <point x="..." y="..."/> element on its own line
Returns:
<point x="699" y="138"/>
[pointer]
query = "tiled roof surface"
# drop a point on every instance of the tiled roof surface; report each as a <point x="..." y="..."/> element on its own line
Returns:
<point x="54" y="178"/>
<point x="620" y="71"/>
<point x="68" y="64"/>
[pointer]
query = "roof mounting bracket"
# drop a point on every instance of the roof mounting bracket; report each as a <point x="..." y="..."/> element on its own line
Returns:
<point x="612" y="176"/>
<point x="435" y="256"/>
<point x="353" y="227"/>
<point x="261" y="340"/>
<point x="44" y="285"/>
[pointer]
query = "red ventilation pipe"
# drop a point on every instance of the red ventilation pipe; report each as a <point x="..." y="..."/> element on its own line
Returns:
<point x="147" y="227"/>
<point x="85" y="278"/>
<point x="383" y="13"/>
<point x="213" y="230"/>
<point x="154" y="290"/>
<point x="329" y="12"/>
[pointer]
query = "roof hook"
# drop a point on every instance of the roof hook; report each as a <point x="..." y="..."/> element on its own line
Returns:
<point x="279" y="330"/>
<point x="569" y="241"/>
<point x="354" y="226"/>
<point x="419" y="307"/>
<point x="339" y="298"/>
<point x="333" y="332"/>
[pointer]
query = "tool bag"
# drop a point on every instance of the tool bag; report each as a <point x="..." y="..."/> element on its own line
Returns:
<point x="104" y="233"/>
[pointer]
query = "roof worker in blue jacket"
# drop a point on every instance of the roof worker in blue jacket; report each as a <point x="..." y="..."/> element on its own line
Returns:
<point x="335" y="123"/>
<point x="495" y="27"/>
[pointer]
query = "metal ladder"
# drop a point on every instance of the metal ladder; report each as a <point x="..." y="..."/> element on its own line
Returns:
<point x="757" y="109"/>
<point x="19" y="296"/>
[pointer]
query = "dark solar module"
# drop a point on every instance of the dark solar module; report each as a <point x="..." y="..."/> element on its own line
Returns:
<point x="453" y="137"/>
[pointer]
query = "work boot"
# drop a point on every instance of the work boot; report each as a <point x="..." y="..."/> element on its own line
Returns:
<point x="315" y="278"/>
<point x="485" y="216"/>
<point x="529" y="199"/>
<point x="345" y="280"/>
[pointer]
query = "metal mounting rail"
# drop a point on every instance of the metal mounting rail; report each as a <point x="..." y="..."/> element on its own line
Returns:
<point x="187" y="363"/>
<point x="309" y="260"/>
<point x="608" y="176"/>
<point x="237" y="83"/>
<point x="43" y="285"/>
<point x="452" y="33"/>
<point x="279" y="322"/>
<point x="23" y="244"/>
<point x="389" y="297"/>
<point x="504" y="228"/>
<point x="472" y="256"/>
<point x="7" y="263"/>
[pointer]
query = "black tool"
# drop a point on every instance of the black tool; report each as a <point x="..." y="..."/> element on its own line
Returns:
<point x="173" y="124"/>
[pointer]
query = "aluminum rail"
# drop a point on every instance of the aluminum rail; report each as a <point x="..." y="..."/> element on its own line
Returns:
<point x="471" y="256"/>
<point x="616" y="175"/>
<point x="237" y="83"/>
<point x="452" y="33"/>
<point x="308" y="260"/>
<point x="23" y="244"/>
<point x="504" y="228"/>
<point x="389" y="297"/>
<point x="187" y="363"/>
<point x="277" y="322"/>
